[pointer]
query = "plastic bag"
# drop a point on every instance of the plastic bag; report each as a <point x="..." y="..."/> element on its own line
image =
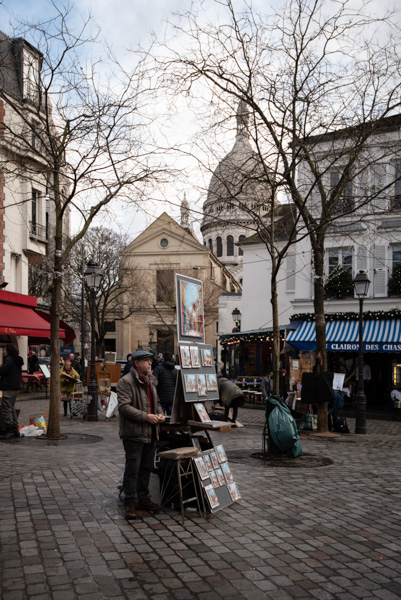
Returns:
<point x="311" y="422"/>
<point x="112" y="406"/>
<point x="30" y="431"/>
<point x="39" y="422"/>
<point x="282" y="427"/>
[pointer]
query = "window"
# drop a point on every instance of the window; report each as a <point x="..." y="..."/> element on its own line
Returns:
<point x="210" y="244"/>
<point x="230" y="245"/>
<point x="165" y="286"/>
<point x="396" y="254"/>
<point x="35" y="212"/>
<point x="219" y="244"/>
<point x="346" y="202"/>
<point x="396" y="204"/>
<point x="110" y="326"/>
<point x="340" y="257"/>
<point x="31" y="75"/>
<point x="240" y="250"/>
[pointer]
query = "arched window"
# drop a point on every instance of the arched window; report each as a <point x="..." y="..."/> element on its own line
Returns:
<point x="219" y="247"/>
<point x="230" y="245"/>
<point x="240" y="239"/>
<point x="211" y="244"/>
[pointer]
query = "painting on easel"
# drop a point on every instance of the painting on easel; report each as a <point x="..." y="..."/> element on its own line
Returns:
<point x="191" y="320"/>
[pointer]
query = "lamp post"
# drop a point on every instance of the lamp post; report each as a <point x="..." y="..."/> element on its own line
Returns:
<point x="236" y="314"/>
<point x="93" y="277"/>
<point x="361" y="285"/>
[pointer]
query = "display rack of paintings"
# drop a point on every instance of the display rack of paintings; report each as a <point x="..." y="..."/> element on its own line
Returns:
<point x="216" y="478"/>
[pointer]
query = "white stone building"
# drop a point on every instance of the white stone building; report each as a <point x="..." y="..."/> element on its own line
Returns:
<point x="26" y="211"/>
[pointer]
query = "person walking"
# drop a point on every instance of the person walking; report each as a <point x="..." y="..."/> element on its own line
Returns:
<point x="68" y="381"/>
<point x="140" y="414"/>
<point x="166" y="375"/>
<point x="76" y="362"/>
<point x="10" y="384"/>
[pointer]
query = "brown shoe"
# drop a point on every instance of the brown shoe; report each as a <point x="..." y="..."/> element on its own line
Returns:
<point x="130" y="512"/>
<point x="147" y="505"/>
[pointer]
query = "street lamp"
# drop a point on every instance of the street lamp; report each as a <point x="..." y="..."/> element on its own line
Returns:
<point x="93" y="277"/>
<point x="361" y="285"/>
<point x="237" y="318"/>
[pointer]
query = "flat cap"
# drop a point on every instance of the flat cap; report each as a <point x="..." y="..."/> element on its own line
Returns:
<point x="141" y="354"/>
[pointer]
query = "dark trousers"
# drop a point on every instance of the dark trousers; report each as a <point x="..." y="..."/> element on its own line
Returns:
<point x="139" y="461"/>
<point x="235" y="404"/>
<point x="8" y="409"/>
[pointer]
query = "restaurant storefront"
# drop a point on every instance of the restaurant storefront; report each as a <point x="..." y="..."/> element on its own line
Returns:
<point x="381" y="348"/>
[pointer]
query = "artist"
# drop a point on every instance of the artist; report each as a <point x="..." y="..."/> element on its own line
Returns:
<point x="140" y="415"/>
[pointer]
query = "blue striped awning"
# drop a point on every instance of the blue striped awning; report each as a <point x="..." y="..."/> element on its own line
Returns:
<point x="381" y="335"/>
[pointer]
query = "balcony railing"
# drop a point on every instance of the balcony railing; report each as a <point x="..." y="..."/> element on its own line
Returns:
<point x="38" y="231"/>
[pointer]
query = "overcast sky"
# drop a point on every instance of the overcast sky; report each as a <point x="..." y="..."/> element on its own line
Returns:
<point x="127" y="23"/>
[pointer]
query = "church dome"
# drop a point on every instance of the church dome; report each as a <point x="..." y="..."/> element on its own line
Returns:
<point x="238" y="184"/>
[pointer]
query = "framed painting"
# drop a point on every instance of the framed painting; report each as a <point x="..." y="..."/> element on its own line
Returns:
<point x="190" y="313"/>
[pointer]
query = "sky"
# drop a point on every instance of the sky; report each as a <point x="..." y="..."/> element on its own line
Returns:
<point x="125" y="24"/>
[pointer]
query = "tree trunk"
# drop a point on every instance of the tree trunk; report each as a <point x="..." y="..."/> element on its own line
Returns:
<point x="321" y="353"/>
<point x="276" y="338"/>
<point x="53" y="430"/>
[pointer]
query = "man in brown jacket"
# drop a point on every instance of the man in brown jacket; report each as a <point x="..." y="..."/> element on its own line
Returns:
<point x="140" y="415"/>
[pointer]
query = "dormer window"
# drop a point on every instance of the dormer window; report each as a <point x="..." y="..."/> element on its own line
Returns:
<point x="30" y="75"/>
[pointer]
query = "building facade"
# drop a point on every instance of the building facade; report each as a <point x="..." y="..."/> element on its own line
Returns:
<point x="156" y="255"/>
<point x="367" y="236"/>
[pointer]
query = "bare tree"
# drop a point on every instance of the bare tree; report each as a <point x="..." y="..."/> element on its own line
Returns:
<point x="320" y="80"/>
<point x="117" y="284"/>
<point x="83" y="131"/>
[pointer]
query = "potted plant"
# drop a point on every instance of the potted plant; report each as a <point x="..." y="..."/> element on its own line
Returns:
<point x="339" y="284"/>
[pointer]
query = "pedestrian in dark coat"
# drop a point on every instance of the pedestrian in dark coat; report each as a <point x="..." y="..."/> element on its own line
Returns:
<point x="10" y="384"/>
<point x="166" y="375"/>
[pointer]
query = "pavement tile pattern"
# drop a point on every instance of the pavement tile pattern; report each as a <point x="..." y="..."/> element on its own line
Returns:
<point x="330" y="532"/>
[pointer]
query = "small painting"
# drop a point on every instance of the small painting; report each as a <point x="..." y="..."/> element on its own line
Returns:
<point x="234" y="491"/>
<point x="211" y="382"/>
<point x="207" y="357"/>
<point x="221" y="455"/>
<point x="185" y="357"/>
<point x="190" y="383"/>
<point x="208" y="462"/>
<point x="196" y="443"/>
<point x="195" y="357"/>
<point x="215" y="462"/>
<point x="213" y="479"/>
<point x="202" y="412"/>
<point x="201" y="467"/>
<point x="211" y="496"/>
<point x="201" y="384"/>
<point x="220" y="477"/>
<point x="227" y="473"/>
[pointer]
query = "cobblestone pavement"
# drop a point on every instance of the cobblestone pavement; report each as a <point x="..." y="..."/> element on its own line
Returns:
<point x="324" y="532"/>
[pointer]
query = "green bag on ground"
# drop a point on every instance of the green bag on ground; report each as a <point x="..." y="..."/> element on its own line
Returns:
<point x="283" y="428"/>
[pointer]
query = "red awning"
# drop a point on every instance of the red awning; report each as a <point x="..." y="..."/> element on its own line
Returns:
<point x="69" y="333"/>
<point x="21" y="320"/>
<point x="17" y="316"/>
